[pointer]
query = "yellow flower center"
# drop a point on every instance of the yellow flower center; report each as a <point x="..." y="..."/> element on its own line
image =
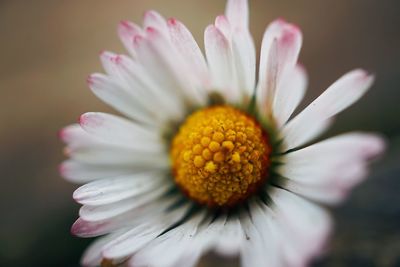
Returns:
<point x="220" y="156"/>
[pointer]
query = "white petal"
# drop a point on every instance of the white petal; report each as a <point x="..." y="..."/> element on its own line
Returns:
<point x="112" y="140"/>
<point x="244" y="51"/>
<point x="221" y="63"/>
<point x="153" y="19"/>
<point x="317" y="193"/>
<point x="314" y="119"/>
<point x="259" y="247"/>
<point x="161" y="59"/>
<point x="129" y="144"/>
<point x="225" y="27"/>
<point x="245" y="60"/>
<point x="289" y="95"/>
<point x="237" y="12"/>
<point x="119" y="98"/>
<point x="279" y="52"/>
<point x="136" y="87"/>
<point x="111" y="190"/>
<point x="327" y="170"/>
<point x="229" y="237"/>
<point x="97" y="212"/>
<point x="74" y="136"/>
<point x="127" y="31"/>
<point x="119" y="131"/>
<point x="170" y="247"/>
<point x="92" y="255"/>
<point x="132" y="240"/>
<point x="135" y="239"/>
<point x="79" y="172"/>
<point x="307" y="225"/>
<point x="148" y="212"/>
<point x="110" y="155"/>
<point x="186" y="45"/>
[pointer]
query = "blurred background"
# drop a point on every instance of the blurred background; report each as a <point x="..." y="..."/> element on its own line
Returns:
<point x="49" y="47"/>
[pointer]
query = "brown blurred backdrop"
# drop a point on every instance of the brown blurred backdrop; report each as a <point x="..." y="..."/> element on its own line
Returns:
<point x="49" y="47"/>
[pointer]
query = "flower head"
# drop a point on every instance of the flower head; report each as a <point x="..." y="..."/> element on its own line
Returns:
<point x="208" y="158"/>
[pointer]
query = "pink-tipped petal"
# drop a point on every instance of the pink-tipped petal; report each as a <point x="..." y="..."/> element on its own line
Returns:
<point x="169" y="70"/>
<point x="326" y="171"/>
<point x="123" y="97"/>
<point x="117" y="130"/>
<point x="126" y="32"/>
<point x="314" y="119"/>
<point x="111" y="190"/>
<point x="84" y="229"/>
<point x="153" y="19"/>
<point x="183" y="40"/>
<point x="279" y="53"/>
<point x="222" y="24"/>
<point x="140" y="235"/>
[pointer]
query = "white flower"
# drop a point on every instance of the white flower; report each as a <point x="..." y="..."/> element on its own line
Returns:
<point x="208" y="158"/>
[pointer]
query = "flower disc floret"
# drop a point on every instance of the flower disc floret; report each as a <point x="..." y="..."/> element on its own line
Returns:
<point x="220" y="156"/>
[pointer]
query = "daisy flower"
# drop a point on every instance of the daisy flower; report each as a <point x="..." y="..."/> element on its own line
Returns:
<point x="206" y="158"/>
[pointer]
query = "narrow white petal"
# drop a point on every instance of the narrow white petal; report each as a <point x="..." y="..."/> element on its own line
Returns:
<point x="170" y="247"/>
<point x="186" y="45"/>
<point x="74" y="136"/>
<point x="314" y="119"/>
<point x="111" y="190"/>
<point x="161" y="59"/>
<point x="118" y="97"/>
<point x="245" y="60"/>
<point x="289" y="95"/>
<point x="79" y="172"/>
<point x="237" y="12"/>
<point x="279" y="53"/>
<point x="140" y="159"/>
<point x="327" y="170"/>
<point x="317" y="193"/>
<point x="127" y="31"/>
<point x="102" y="212"/>
<point x="92" y="255"/>
<point x="153" y="19"/>
<point x="136" y="87"/>
<point x="140" y="236"/>
<point x="147" y="213"/>
<point x="307" y="225"/>
<point x="131" y="76"/>
<point x="129" y="144"/>
<point x="259" y="247"/>
<point x="221" y="64"/>
<point x="119" y="131"/>
<point x="230" y="238"/>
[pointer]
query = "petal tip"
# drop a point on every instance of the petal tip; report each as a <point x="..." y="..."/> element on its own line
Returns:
<point x="126" y="24"/>
<point x="61" y="135"/>
<point x="62" y="169"/>
<point x="90" y="119"/>
<point x="172" y="21"/>
<point x="77" y="227"/>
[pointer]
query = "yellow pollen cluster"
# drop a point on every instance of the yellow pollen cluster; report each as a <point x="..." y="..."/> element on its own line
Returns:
<point x="220" y="156"/>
